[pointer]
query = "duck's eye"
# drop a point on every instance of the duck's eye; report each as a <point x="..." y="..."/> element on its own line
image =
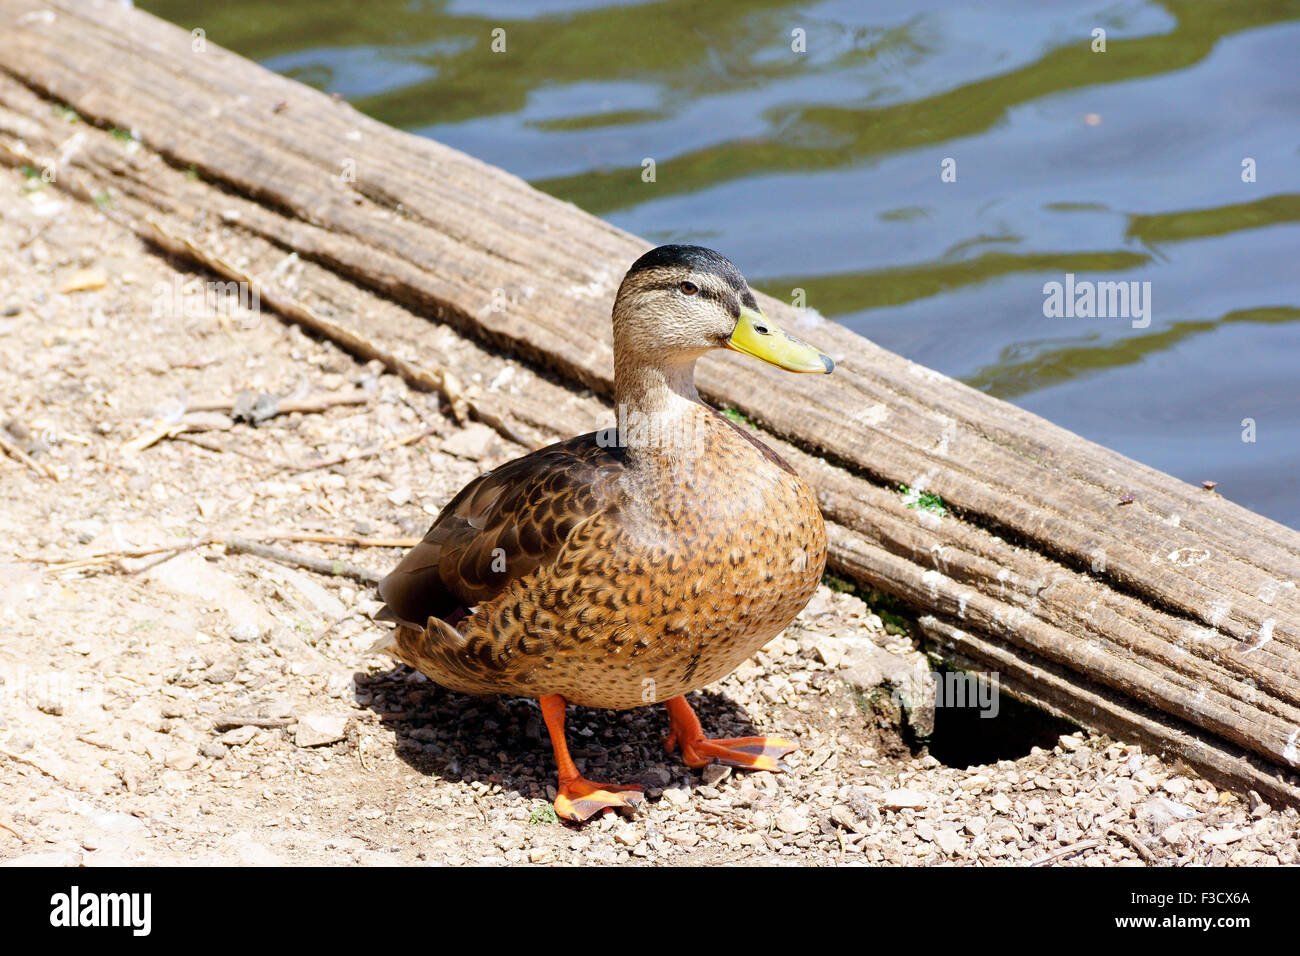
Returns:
<point x="689" y="288"/>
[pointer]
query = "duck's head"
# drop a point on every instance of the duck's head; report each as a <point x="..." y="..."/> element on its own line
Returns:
<point x="678" y="302"/>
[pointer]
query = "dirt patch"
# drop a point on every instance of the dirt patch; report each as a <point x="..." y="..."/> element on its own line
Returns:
<point x="219" y="707"/>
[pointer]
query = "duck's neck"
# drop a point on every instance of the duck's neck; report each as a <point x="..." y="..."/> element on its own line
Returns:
<point x="659" y="409"/>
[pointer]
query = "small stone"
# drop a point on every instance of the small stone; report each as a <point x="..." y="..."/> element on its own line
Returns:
<point x="828" y="651"/>
<point x="1175" y="786"/>
<point x="210" y="748"/>
<point x="1173" y="835"/>
<point x="1069" y="742"/>
<point x="904" y="799"/>
<point x="714" y="774"/>
<point x="1222" y="837"/>
<point x="400" y="496"/>
<point x="315" y="730"/>
<point x="222" y="672"/>
<point x="791" y="821"/>
<point x="185" y="757"/>
<point x="650" y="776"/>
<point x="85" y="280"/>
<point x="540" y="854"/>
<point x="677" y="796"/>
<point x="1000" y="802"/>
<point x="244" y="632"/>
<point x="473" y="442"/>
<point x="238" y="736"/>
<point x="947" y="840"/>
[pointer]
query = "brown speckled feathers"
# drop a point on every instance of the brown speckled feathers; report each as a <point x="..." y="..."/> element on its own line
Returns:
<point x="576" y="571"/>
<point x="501" y="527"/>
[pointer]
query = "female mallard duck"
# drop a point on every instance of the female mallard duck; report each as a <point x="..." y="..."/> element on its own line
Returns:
<point x="633" y="565"/>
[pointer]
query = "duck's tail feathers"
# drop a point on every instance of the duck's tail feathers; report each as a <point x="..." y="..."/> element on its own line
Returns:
<point x="412" y="635"/>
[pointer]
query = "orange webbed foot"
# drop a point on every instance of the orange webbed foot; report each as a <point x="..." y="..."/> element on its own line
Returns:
<point x="577" y="798"/>
<point x="749" y="753"/>
<point x="581" y="799"/>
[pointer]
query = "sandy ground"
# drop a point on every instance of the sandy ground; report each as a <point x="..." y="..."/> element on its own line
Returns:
<point x="218" y="707"/>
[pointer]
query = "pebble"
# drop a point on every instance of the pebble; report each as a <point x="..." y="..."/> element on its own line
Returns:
<point x="1222" y="837"/>
<point x="791" y="821"/>
<point x="238" y="736"/>
<point x="221" y="672"/>
<point x="903" y="799"/>
<point x="314" y="730"/>
<point x="244" y="632"/>
<point x="472" y="442"/>
<point x="677" y="796"/>
<point x="714" y="774"/>
<point x="947" y="840"/>
<point x="185" y="757"/>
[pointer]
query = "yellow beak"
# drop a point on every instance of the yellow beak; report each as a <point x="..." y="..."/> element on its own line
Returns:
<point x="758" y="336"/>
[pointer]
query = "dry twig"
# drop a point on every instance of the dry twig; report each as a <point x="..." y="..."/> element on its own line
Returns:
<point x="16" y="453"/>
<point x="1135" y="844"/>
<point x="1066" y="851"/>
<point x="320" y="565"/>
<point x="231" y="721"/>
<point x="364" y="453"/>
<point x="355" y="540"/>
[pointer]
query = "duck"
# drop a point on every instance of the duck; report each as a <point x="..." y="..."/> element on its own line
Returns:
<point x="635" y="564"/>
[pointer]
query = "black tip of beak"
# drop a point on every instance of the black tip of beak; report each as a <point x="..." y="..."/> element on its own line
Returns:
<point x="830" y="366"/>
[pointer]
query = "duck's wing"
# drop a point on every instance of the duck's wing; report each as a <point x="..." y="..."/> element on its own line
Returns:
<point x="501" y="526"/>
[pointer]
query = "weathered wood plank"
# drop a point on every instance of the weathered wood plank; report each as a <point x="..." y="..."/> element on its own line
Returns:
<point x="1181" y="605"/>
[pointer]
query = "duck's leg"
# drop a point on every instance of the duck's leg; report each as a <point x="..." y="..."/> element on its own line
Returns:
<point x="752" y="753"/>
<point x="579" y="798"/>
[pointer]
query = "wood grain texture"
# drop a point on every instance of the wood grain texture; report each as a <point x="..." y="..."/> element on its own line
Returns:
<point x="1182" y="604"/>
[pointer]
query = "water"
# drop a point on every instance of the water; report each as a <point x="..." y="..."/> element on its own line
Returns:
<point x="821" y="171"/>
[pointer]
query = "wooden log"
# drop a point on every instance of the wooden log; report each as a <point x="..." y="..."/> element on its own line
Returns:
<point x="1180" y="606"/>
